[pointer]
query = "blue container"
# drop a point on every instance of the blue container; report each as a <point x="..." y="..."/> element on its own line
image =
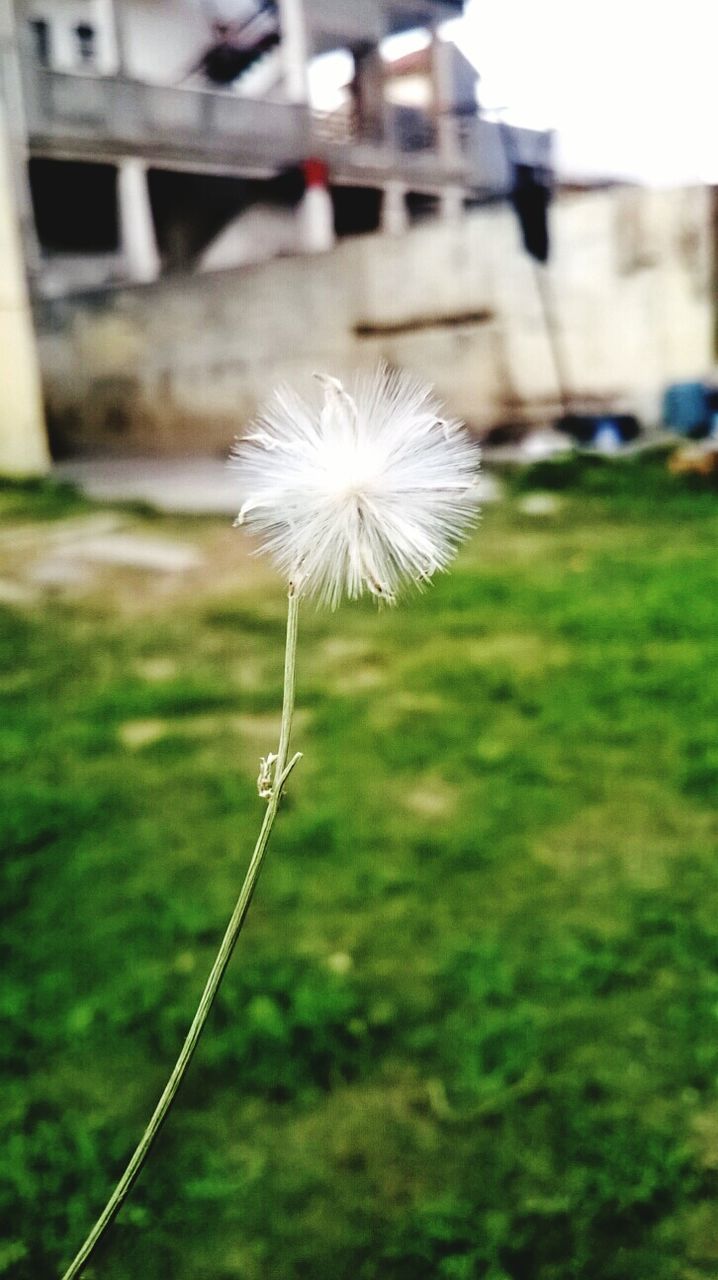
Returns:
<point x="687" y="408"/>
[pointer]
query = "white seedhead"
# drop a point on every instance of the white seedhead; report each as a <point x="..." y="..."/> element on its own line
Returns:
<point x="362" y="492"/>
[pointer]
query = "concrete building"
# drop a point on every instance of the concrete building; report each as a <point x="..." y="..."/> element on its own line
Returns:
<point x="158" y="197"/>
<point x="145" y="147"/>
<point x="143" y="138"/>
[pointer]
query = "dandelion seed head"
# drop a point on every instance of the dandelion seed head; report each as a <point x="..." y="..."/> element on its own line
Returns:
<point x="362" y="492"/>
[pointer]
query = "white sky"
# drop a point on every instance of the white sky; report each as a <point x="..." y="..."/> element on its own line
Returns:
<point x="631" y="86"/>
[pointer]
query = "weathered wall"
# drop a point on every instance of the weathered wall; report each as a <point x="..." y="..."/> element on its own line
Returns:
<point x="178" y="366"/>
<point x="23" y="442"/>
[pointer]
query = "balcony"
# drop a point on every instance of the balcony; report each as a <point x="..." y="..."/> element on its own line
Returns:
<point x="100" y="118"/>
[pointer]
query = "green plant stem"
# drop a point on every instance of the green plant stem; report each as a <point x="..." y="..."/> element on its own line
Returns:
<point x="282" y="769"/>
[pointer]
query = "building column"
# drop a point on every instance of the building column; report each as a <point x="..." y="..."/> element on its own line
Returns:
<point x="451" y="203"/>
<point x="137" y="229"/>
<point x="315" y="212"/>
<point x="368" y="92"/>
<point x="23" y="437"/>
<point x="394" y="211"/>
<point x="114" y="12"/>
<point x="295" y="49"/>
<point x="447" y="133"/>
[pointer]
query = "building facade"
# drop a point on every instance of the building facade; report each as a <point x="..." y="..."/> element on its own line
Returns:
<point x="157" y="127"/>
<point x="177" y="368"/>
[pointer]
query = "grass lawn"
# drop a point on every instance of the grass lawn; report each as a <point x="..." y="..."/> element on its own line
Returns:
<point x="471" y="1028"/>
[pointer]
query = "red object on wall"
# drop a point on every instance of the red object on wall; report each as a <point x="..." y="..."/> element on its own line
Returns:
<point x="316" y="173"/>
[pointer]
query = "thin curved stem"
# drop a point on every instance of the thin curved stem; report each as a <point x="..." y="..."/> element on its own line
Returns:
<point x="281" y="773"/>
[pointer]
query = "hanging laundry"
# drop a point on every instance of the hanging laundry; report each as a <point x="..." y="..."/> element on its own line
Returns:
<point x="531" y="197"/>
<point x="235" y="47"/>
<point x="527" y="155"/>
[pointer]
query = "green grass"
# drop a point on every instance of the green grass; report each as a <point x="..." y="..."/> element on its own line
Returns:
<point x="38" y="500"/>
<point x="471" y="1029"/>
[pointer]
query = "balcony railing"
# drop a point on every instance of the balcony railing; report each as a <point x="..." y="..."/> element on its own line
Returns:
<point x="104" y="115"/>
<point x="99" y="117"/>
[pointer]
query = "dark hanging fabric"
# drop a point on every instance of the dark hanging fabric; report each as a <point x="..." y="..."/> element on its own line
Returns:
<point x="225" y="62"/>
<point x="530" y="197"/>
<point x="233" y="51"/>
<point x="530" y="191"/>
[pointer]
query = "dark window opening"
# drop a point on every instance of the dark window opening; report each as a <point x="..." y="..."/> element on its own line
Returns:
<point x="357" y="210"/>
<point x="190" y="209"/>
<point x="75" y="205"/>
<point x="40" y="29"/>
<point x="422" y="206"/>
<point x="85" y="36"/>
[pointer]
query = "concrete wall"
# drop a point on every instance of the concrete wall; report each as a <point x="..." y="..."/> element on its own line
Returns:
<point x="179" y="366"/>
<point x="161" y="38"/>
<point x="62" y="16"/>
<point x="23" y="441"/>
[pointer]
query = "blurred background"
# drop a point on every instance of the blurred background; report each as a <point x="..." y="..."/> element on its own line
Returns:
<point x="471" y="1027"/>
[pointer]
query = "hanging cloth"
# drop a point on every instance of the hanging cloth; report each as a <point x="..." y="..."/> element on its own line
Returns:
<point x="530" y="197"/>
<point x="530" y="193"/>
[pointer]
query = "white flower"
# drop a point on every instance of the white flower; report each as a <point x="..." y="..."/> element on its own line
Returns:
<point x="360" y="493"/>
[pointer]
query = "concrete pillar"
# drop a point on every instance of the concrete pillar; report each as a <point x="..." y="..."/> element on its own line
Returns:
<point x="23" y="438"/>
<point x="113" y="10"/>
<point x="137" y="229"/>
<point x="451" y="203"/>
<point x="295" y="49"/>
<point x="394" y="211"/>
<point x="316" y="211"/>
<point x="447" y="133"/>
<point x="13" y="105"/>
<point x="371" y="116"/>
